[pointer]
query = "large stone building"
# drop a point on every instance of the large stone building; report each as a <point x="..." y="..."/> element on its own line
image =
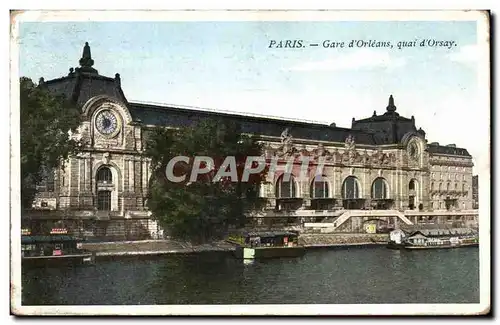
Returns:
<point x="383" y="162"/>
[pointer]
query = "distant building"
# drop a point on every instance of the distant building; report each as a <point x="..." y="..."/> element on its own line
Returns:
<point x="382" y="162"/>
<point x="475" y="192"/>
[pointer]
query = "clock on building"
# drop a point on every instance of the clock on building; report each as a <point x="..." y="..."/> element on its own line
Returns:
<point x="106" y="122"/>
<point x="413" y="150"/>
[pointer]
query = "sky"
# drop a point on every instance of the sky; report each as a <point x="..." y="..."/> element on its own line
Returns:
<point x="230" y="66"/>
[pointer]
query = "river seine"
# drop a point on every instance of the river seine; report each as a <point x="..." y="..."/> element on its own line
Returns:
<point x="322" y="276"/>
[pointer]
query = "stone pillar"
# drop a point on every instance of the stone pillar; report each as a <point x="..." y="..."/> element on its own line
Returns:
<point x="131" y="175"/>
<point x="125" y="175"/>
<point x="337" y="174"/>
<point x="366" y="187"/>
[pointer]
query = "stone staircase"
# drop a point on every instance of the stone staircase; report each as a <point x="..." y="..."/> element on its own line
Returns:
<point x="347" y="214"/>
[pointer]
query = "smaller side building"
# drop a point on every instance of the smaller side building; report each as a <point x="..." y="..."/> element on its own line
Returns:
<point x="475" y="192"/>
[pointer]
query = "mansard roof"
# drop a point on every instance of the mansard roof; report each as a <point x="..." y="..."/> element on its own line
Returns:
<point x="177" y="117"/>
<point x="85" y="82"/>
<point x="447" y="150"/>
<point x="390" y="127"/>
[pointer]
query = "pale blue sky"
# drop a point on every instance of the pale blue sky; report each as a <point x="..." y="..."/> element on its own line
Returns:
<point x="229" y="65"/>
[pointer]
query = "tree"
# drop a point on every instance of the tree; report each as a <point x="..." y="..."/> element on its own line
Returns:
<point x="46" y="124"/>
<point x="204" y="209"/>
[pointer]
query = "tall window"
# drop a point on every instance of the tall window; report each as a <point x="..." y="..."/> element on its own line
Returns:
<point x="104" y="200"/>
<point x="285" y="188"/>
<point x="432" y="186"/>
<point x="379" y="189"/>
<point x="448" y="186"/>
<point x="319" y="188"/>
<point x="104" y="175"/>
<point x="350" y="188"/>
<point x="411" y="185"/>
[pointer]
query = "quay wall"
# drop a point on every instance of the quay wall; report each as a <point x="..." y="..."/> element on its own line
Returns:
<point x="342" y="239"/>
<point x="168" y="247"/>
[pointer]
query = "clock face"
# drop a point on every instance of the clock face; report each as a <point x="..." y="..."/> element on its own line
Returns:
<point x="413" y="150"/>
<point x="106" y="122"/>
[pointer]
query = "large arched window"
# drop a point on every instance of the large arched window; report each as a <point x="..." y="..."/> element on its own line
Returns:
<point x="350" y="188"/>
<point x="285" y="188"/>
<point x="379" y="188"/>
<point x="104" y="175"/>
<point x="448" y="186"/>
<point x="319" y="188"/>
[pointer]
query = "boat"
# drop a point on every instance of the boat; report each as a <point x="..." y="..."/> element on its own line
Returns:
<point x="54" y="249"/>
<point x="432" y="237"/>
<point x="266" y="244"/>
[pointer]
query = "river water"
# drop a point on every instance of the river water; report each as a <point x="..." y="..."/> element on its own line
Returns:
<point x="321" y="276"/>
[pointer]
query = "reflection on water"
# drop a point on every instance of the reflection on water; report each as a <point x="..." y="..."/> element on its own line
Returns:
<point x="357" y="275"/>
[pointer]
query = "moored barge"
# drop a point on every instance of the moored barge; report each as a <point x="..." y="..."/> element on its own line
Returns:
<point x="58" y="248"/>
<point x="266" y="244"/>
<point x="418" y="237"/>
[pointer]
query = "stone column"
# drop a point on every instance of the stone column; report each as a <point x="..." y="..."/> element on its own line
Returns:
<point x="131" y="175"/>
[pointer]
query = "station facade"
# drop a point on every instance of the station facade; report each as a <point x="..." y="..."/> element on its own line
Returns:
<point x="383" y="162"/>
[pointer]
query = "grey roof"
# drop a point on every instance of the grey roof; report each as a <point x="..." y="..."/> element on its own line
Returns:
<point x="85" y="82"/>
<point x="389" y="127"/>
<point x="436" y="230"/>
<point x="447" y="150"/>
<point x="47" y="239"/>
<point x="269" y="233"/>
<point x="79" y="87"/>
<point x="178" y="117"/>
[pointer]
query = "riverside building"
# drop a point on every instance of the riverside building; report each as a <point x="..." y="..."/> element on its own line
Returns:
<point x="379" y="172"/>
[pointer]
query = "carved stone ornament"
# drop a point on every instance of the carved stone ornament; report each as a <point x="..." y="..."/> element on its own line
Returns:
<point x="286" y="137"/>
<point x="349" y="143"/>
<point x="320" y="150"/>
<point x="106" y="158"/>
<point x="286" y="142"/>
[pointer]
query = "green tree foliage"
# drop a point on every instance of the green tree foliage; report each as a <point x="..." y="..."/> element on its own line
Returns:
<point x="46" y="121"/>
<point x="202" y="210"/>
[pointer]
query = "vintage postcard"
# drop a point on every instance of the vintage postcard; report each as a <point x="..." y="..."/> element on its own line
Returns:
<point x="250" y="163"/>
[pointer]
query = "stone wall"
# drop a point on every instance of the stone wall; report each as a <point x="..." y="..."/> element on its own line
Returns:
<point x="342" y="239"/>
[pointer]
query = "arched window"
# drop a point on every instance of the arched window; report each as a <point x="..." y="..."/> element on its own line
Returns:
<point x="440" y="187"/>
<point x="432" y="186"/>
<point x="319" y="188"/>
<point x="448" y="186"/>
<point x="456" y="186"/>
<point x="379" y="188"/>
<point x="411" y="185"/>
<point x="285" y="188"/>
<point x="463" y="187"/>
<point x="104" y="200"/>
<point x="350" y="188"/>
<point x="104" y="175"/>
